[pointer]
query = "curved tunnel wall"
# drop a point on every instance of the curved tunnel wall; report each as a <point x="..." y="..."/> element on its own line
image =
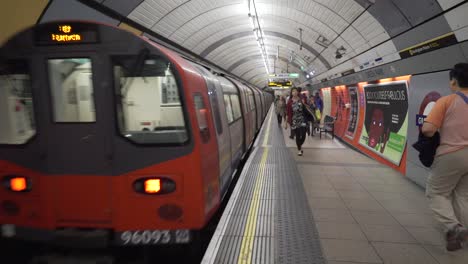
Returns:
<point x="19" y="14"/>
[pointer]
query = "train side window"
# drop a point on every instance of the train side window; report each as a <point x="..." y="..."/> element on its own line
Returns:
<point x="252" y="103"/>
<point x="215" y="109"/>
<point x="16" y="103"/>
<point x="202" y="117"/>
<point x="236" y="108"/>
<point x="149" y="109"/>
<point x="227" y="104"/>
<point x="71" y="87"/>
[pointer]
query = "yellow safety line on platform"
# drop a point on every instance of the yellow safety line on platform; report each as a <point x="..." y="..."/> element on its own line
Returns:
<point x="245" y="254"/>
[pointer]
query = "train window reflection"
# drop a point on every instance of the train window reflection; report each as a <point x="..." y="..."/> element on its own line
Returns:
<point x="227" y="103"/>
<point x="149" y="107"/>
<point x="16" y="104"/>
<point x="71" y="87"/>
<point x="236" y="108"/>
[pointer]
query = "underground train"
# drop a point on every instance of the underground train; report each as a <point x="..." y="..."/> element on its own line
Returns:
<point x="107" y="138"/>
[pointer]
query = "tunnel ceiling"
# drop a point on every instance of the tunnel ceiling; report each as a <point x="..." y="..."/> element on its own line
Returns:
<point x="222" y="31"/>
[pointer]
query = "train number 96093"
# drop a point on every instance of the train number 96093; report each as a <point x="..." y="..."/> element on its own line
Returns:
<point x="154" y="237"/>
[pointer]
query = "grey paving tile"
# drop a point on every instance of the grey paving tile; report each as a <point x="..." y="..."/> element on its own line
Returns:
<point x="369" y="180"/>
<point x="310" y="181"/>
<point x="314" y="186"/>
<point x="393" y="253"/>
<point x="340" y="231"/>
<point x="352" y="194"/>
<point x="363" y="205"/>
<point x="326" y="203"/>
<point x="387" y="233"/>
<point x="333" y="215"/>
<point x="416" y="220"/>
<point x="382" y="196"/>
<point x="427" y="236"/>
<point x="374" y="218"/>
<point x="445" y="257"/>
<point x="323" y="194"/>
<point x="341" y="179"/>
<point x="350" y="186"/>
<point x="382" y="187"/>
<point x="404" y="206"/>
<point x="349" y="250"/>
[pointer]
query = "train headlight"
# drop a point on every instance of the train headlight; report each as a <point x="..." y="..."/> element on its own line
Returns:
<point x="17" y="183"/>
<point x="154" y="186"/>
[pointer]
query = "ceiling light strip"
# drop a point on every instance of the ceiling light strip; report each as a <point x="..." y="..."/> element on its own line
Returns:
<point x="259" y="35"/>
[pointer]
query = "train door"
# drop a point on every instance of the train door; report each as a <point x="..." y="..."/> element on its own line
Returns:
<point x="215" y="94"/>
<point x="245" y="113"/>
<point x="255" y="117"/>
<point x="76" y="132"/>
<point x="254" y="110"/>
<point x="224" y="146"/>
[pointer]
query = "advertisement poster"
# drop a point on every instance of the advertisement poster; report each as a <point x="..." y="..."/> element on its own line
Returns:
<point x="353" y="113"/>
<point x="386" y="120"/>
<point x="340" y="105"/>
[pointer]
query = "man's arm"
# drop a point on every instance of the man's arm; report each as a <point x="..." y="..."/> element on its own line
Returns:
<point x="429" y="129"/>
<point x="435" y="118"/>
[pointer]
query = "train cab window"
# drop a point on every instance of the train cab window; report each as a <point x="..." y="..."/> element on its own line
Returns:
<point x="149" y="108"/>
<point x="227" y="104"/>
<point x="236" y="108"/>
<point x="71" y="87"/>
<point x="202" y="117"/>
<point x="16" y="103"/>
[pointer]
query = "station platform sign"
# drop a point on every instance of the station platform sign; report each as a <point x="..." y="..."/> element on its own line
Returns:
<point x="283" y="76"/>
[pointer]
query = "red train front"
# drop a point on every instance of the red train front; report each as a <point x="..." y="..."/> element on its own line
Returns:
<point x="105" y="139"/>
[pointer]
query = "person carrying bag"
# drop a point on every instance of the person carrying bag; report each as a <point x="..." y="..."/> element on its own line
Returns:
<point x="447" y="185"/>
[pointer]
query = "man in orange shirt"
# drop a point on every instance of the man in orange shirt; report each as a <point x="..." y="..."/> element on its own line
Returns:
<point x="447" y="185"/>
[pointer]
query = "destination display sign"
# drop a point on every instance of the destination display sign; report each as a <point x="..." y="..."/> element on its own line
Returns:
<point x="66" y="33"/>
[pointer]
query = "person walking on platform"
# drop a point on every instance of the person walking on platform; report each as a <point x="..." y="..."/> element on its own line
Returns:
<point x="280" y="109"/>
<point x="288" y="99"/>
<point x="295" y="117"/>
<point x="277" y="99"/>
<point x="447" y="185"/>
<point x="318" y="103"/>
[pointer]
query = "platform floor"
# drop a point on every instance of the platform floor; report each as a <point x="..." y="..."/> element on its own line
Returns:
<point x="355" y="211"/>
<point x="366" y="212"/>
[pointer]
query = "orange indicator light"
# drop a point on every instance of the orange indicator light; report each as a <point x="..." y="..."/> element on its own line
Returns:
<point x="18" y="184"/>
<point x="153" y="186"/>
